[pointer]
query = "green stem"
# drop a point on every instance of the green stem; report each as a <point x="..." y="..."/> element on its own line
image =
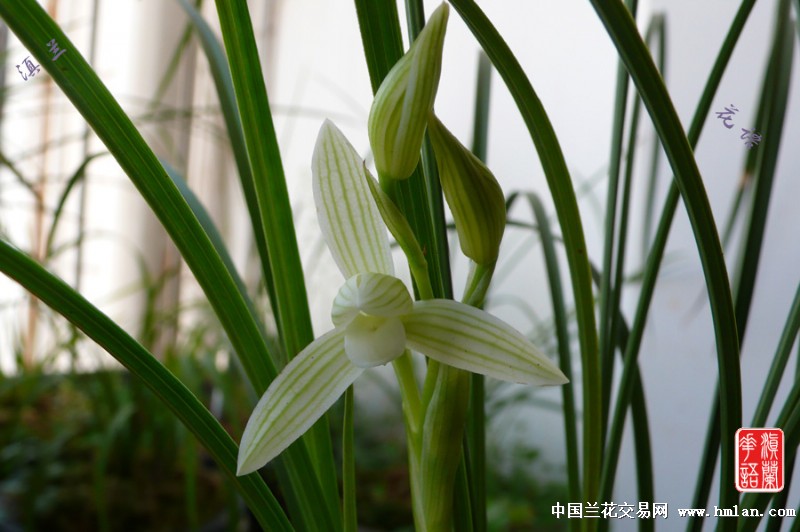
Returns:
<point x="409" y="389"/>
<point x="349" y="514"/>
<point x="564" y="354"/>
<point x="475" y="441"/>
<point x="607" y="287"/>
<point x="442" y="434"/>
<point x="445" y="420"/>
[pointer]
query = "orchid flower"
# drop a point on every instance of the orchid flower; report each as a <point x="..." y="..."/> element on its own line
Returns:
<point x="375" y="317"/>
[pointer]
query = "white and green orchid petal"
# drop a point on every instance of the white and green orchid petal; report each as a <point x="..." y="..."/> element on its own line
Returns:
<point x="373" y="341"/>
<point x="468" y="338"/>
<point x="305" y="389"/>
<point x="350" y="222"/>
<point x="371" y="293"/>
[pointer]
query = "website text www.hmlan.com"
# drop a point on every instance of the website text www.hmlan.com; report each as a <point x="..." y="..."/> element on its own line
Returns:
<point x="736" y="512"/>
<point x="656" y="510"/>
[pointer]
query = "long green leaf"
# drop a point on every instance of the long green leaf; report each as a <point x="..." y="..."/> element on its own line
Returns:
<point x="774" y="99"/>
<point x="291" y="302"/>
<point x="76" y="176"/>
<point x="607" y="288"/>
<point x="779" y="362"/>
<point x="655" y="257"/>
<point x="641" y="430"/>
<point x="558" y="179"/>
<point x="564" y="354"/>
<point x="91" y="98"/>
<point x="764" y="166"/>
<point x="100" y="328"/>
<point x="291" y="309"/>
<point x="657" y="25"/>
<point x="775" y="93"/>
<point x="633" y="51"/>
<point x="630" y="383"/>
<point x="475" y="454"/>
<point x="223" y="84"/>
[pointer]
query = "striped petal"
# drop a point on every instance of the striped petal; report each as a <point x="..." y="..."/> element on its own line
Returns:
<point x="468" y="338"/>
<point x="373" y="294"/>
<point x="306" y="388"/>
<point x="350" y="222"/>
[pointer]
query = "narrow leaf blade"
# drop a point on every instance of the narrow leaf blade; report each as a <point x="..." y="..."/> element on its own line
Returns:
<point x="56" y="294"/>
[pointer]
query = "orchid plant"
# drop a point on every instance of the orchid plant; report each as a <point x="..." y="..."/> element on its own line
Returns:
<point x="376" y="320"/>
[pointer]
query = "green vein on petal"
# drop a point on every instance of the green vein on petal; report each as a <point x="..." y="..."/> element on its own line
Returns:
<point x="468" y="338"/>
<point x="348" y="217"/>
<point x="371" y="293"/>
<point x="305" y="389"/>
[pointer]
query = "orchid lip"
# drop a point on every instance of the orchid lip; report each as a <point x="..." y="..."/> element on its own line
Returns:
<point x="373" y="341"/>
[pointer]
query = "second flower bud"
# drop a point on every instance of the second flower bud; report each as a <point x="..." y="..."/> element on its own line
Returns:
<point x="473" y="194"/>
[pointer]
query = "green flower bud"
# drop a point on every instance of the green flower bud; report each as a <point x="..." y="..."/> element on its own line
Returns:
<point x="473" y="194"/>
<point x="400" y="110"/>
